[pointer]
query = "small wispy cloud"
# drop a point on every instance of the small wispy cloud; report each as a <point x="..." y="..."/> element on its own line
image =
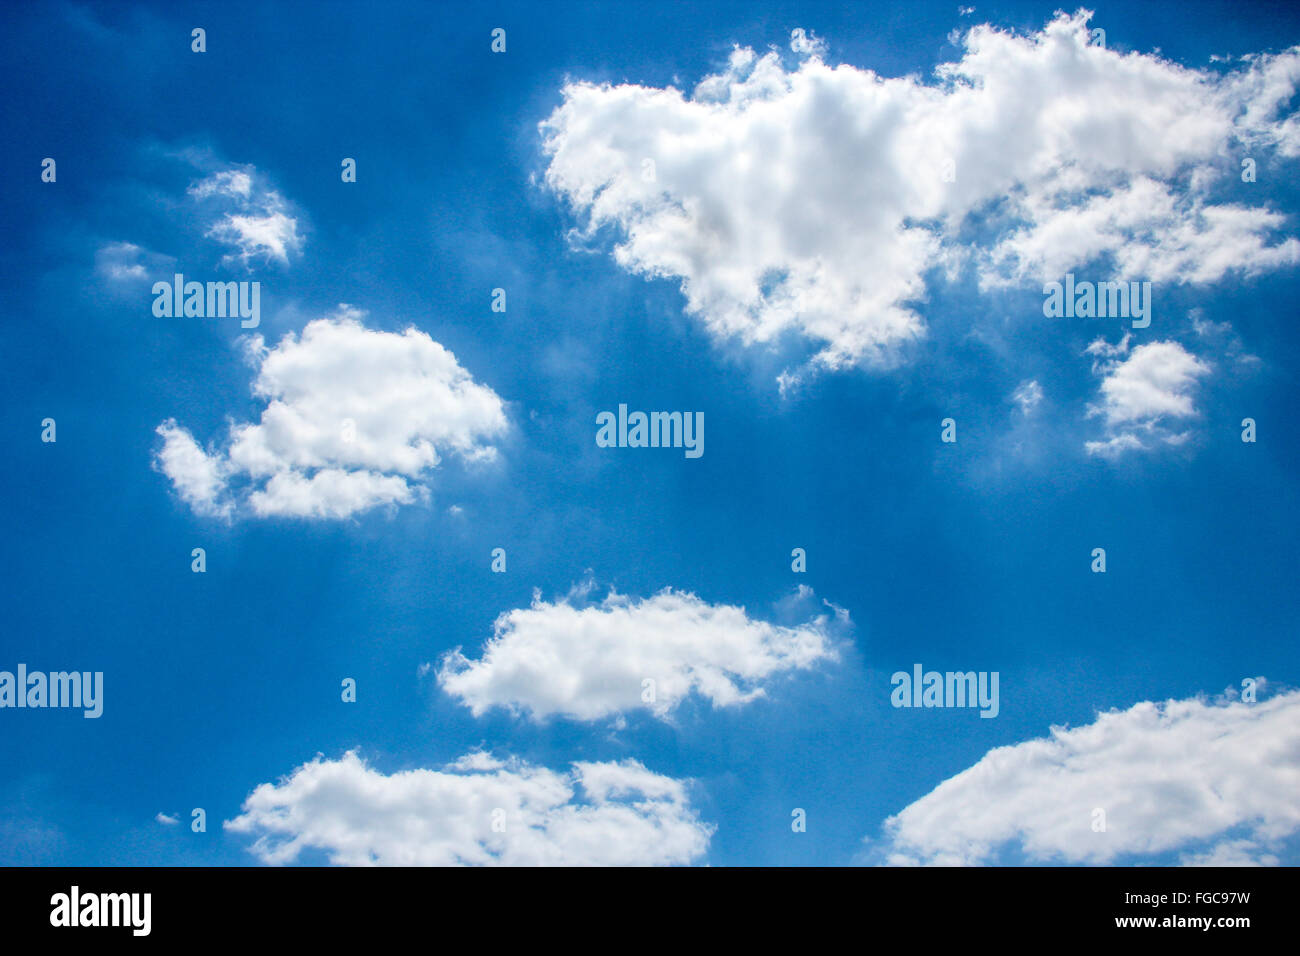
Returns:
<point x="1027" y="396"/>
<point x="125" y="263"/>
<point x="253" y="218"/>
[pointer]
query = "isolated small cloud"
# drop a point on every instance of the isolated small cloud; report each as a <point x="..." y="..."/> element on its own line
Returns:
<point x="622" y="654"/>
<point x="806" y="44"/>
<point x="476" y="811"/>
<point x="1142" y="394"/>
<point x="125" y="264"/>
<point x="355" y="418"/>
<point x="1027" y="396"/>
<point x="167" y="821"/>
<point x="120" y="262"/>
<point x="253" y="219"/>
<point x="1209" y="779"/>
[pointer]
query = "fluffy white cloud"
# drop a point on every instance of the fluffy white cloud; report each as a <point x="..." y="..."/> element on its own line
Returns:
<point x="816" y="199"/>
<point x="590" y="662"/>
<point x="1148" y="230"/>
<point x="198" y="477"/>
<point x="254" y="218"/>
<point x="1142" y="393"/>
<point x="1170" y="777"/>
<point x="355" y="418"/>
<point x="329" y="493"/>
<point x="626" y="816"/>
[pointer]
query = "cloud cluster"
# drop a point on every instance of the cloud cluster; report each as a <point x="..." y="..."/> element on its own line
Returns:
<point x="476" y="811"/>
<point x="235" y="205"/>
<point x="816" y="200"/>
<point x="355" y="418"/>
<point x="1169" y="777"/>
<point x="1142" y="392"/>
<point x="623" y="654"/>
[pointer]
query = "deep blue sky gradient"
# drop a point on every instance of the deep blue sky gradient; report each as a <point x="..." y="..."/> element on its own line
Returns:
<point x="959" y="557"/>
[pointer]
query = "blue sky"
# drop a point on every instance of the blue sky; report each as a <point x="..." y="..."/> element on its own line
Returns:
<point x="965" y="556"/>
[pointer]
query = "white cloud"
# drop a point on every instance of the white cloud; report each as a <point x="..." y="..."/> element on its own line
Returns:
<point x="1115" y="446"/>
<point x="1027" y="396"/>
<point x="805" y="44"/>
<point x="590" y="662"/>
<point x="1140" y="394"/>
<point x="237" y="206"/>
<point x="816" y="199"/>
<point x="253" y="218"/>
<point x="1103" y="349"/>
<point x="355" y="418"/>
<point x="1152" y="382"/>
<point x="125" y="263"/>
<point x="198" y="477"/>
<point x="1150" y="230"/>
<point x="120" y="262"/>
<point x="1170" y="777"/>
<point x="1266" y="88"/>
<point x="167" y="821"/>
<point x="236" y="183"/>
<point x="329" y="493"/>
<point x="626" y="815"/>
<point x="1231" y="853"/>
